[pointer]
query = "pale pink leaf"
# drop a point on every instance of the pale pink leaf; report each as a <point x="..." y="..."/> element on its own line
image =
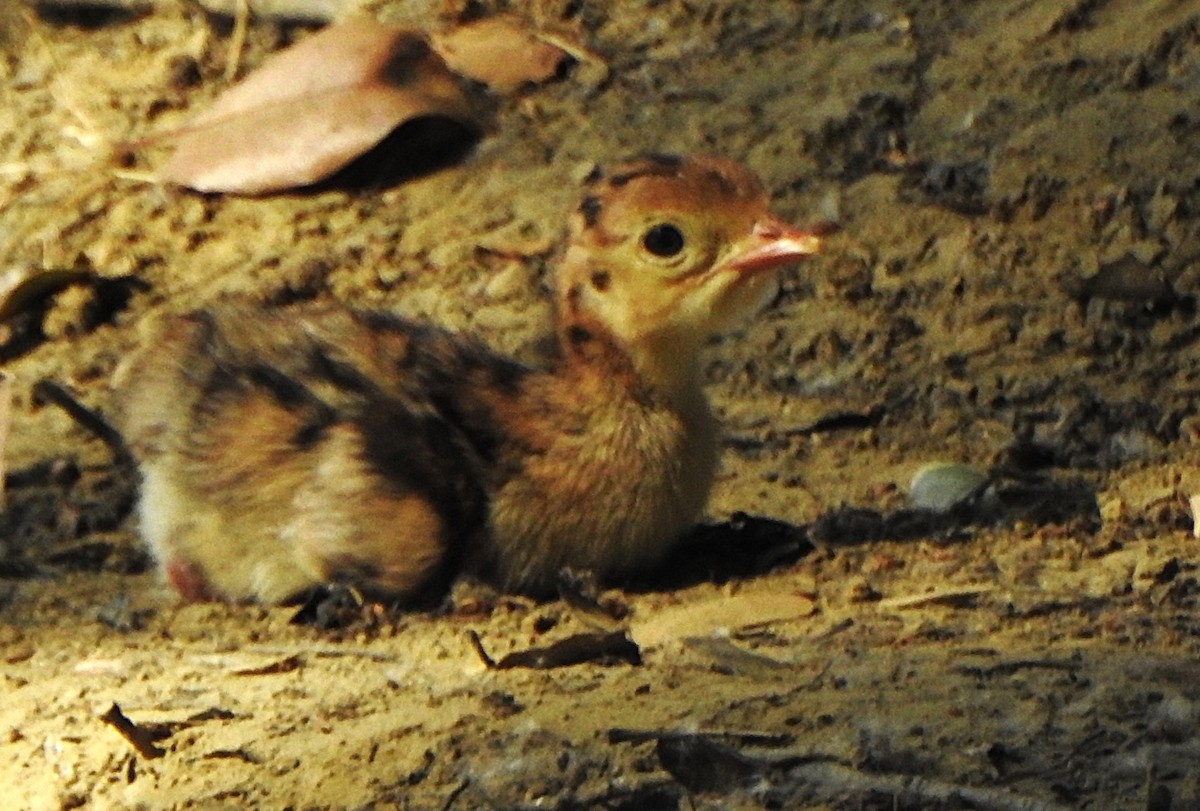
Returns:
<point x="313" y="108"/>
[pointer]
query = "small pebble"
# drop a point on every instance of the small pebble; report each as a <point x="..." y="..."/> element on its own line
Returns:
<point x="940" y="486"/>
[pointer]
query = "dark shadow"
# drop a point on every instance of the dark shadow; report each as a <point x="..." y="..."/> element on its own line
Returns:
<point x="1033" y="501"/>
<point x="53" y="509"/>
<point x="743" y="546"/>
<point x="26" y="309"/>
<point x="89" y="16"/>
<point x="749" y="546"/>
<point x="415" y="149"/>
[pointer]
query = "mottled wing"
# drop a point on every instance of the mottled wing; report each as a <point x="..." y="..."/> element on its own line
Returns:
<point x="341" y="445"/>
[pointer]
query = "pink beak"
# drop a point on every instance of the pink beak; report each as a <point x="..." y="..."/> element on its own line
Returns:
<point x="772" y="243"/>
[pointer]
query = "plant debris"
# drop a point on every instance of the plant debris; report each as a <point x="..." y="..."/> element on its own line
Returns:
<point x="141" y="738"/>
<point x="610" y="648"/>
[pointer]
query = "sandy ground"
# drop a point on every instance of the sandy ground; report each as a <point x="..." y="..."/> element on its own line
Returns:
<point x="1014" y="288"/>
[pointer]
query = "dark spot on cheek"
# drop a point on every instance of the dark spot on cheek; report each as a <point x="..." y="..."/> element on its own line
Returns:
<point x="594" y="176"/>
<point x="601" y="280"/>
<point x="590" y="209"/>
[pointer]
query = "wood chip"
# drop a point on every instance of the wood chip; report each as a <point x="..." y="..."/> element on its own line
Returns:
<point x="719" y="614"/>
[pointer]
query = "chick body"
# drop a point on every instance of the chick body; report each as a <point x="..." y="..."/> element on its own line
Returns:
<point x="283" y="448"/>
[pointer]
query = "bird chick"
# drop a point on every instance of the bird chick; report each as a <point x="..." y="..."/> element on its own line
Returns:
<point x="289" y="447"/>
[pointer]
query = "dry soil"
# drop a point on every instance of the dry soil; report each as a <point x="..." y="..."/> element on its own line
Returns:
<point x="1013" y="288"/>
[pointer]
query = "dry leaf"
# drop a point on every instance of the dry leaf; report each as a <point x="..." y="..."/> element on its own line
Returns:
<point x="312" y="109"/>
<point x="501" y="52"/>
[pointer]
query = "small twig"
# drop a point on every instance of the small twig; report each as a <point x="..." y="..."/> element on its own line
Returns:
<point x="140" y="738"/>
<point x="480" y="650"/>
<point x="47" y="391"/>
<point x="237" y="42"/>
<point x="455" y="794"/>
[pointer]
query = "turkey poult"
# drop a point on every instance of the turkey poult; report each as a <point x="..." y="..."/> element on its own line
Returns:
<point x="287" y="447"/>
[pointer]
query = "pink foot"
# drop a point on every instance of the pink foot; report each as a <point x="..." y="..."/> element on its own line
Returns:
<point x="189" y="580"/>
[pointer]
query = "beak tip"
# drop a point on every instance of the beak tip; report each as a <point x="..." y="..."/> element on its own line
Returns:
<point x="774" y="243"/>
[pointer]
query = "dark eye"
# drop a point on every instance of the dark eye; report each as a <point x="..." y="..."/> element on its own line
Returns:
<point x="663" y="240"/>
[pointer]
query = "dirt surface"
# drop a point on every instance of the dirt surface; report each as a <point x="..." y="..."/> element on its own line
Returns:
<point x="1014" y="288"/>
